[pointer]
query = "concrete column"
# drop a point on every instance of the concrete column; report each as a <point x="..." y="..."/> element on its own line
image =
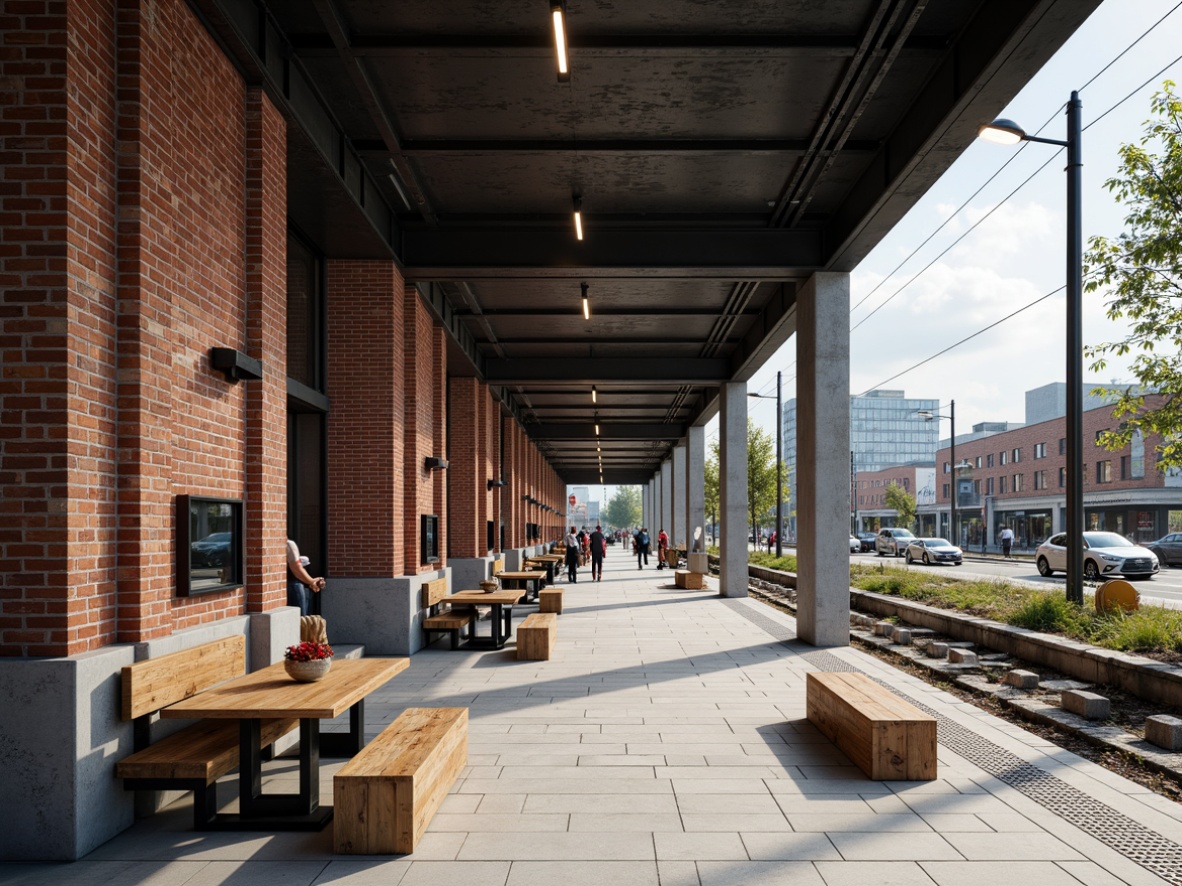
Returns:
<point x="677" y="534"/>
<point x="695" y="496"/>
<point x="665" y="520"/>
<point x="822" y="459"/>
<point x="732" y="488"/>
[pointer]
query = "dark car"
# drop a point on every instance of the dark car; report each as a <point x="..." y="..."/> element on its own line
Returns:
<point x="892" y="541"/>
<point x="1168" y="549"/>
<point x="867" y="540"/>
<point x="934" y="550"/>
<point x="213" y="550"/>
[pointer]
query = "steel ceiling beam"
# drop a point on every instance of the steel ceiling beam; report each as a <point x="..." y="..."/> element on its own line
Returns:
<point x="467" y="253"/>
<point x="590" y="370"/>
<point x="576" y="311"/>
<point x="746" y="146"/>
<point x="795" y="44"/>
<point x="608" y="431"/>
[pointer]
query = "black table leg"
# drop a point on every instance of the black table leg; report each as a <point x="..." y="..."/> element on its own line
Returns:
<point x="346" y="744"/>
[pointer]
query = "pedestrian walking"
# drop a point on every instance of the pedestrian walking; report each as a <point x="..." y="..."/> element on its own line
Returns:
<point x="598" y="549"/>
<point x="572" y="556"/>
<point x="1007" y="541"/>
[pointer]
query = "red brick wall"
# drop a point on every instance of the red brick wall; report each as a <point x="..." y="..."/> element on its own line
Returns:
<point x="424" y="365"/>
<point x="266" y="316"/>
<point x="109" y="310"/>
<point x="366" y="433"/>
<point x="1048" y="432"/>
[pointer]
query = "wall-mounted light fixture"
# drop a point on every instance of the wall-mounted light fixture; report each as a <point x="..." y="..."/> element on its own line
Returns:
<point x="234" y="364"/>
<point x="587" y="316"/>
<point x="435" y="463"/>
<point x="558" y="20"/>
<point x="596" y="424"/>
<point x="594" y="395"/>
<point x="493" y="484"/>
<point x="578" y="204"/>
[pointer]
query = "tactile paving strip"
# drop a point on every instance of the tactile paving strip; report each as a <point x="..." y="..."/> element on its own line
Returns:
<point x="1114" y="829"/>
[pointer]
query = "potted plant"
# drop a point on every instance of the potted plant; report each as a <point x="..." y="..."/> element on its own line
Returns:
<point x="307" y="662"/>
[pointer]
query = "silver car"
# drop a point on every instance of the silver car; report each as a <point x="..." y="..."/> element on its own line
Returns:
<point x="892" y="541"/>
<point x="1105" y="554"/>
<point x="1168" y="549"/>
<point x="934" y="550"/>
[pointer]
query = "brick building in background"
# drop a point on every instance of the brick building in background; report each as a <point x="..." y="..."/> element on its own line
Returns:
<point x="145" y="223"/>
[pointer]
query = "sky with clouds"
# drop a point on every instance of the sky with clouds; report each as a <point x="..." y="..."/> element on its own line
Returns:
<point x="1016" y="252"/>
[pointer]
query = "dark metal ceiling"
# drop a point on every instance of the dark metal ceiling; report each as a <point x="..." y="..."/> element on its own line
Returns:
<point x="724" y="150"/>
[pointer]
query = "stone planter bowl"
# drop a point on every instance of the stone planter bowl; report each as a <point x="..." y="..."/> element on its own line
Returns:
<point x="307" y="671"/>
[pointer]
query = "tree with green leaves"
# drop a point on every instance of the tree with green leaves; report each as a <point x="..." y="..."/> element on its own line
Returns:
<point x="624" y="509"/>
<point x="761" y="473"/>
<point x="1141" y="273"/>
<point x="711" y="484"/>
<point x="903" y="503"/>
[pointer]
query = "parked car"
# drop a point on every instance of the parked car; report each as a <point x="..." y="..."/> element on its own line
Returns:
<point x="892" y="541"/>
<point x="213" y="550"/>
<point x="855" y="544"/>
<point x="1168" y="550"/>
<point x="1105" y="554"/>
<point x="934" y="550"/>
<point x="867" y="539"/>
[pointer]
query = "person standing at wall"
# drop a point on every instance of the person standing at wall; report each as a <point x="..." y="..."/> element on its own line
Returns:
<point x="572" y="556"/>
<point x="301" y="585"/>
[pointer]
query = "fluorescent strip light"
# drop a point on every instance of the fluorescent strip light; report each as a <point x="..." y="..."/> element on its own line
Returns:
<point x="557" y="16"/>
<point x="594" y="398"/>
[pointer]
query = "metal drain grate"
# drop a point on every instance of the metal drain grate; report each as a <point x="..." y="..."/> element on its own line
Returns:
<point x="1114" y="829"/>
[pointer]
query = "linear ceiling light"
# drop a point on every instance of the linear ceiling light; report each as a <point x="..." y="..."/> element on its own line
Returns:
<point x="594" y="395"/>
<point x="578" y="202"/>
<point x="587" y="316"/>
<point x="558" y="17"/>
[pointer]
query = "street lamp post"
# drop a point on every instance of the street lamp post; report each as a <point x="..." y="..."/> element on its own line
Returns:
<point x="928" y="415"/>
<point x="779" y="468"/>
<point x="1003" y="131"/>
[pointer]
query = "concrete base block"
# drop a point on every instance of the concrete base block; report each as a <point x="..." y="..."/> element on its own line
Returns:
<point x="961" y="656"/>
<point x="1088" y="705"/>
<point x="384" y="615"/>
<point x="902" y="636"/>
<point x="699" y="563"/>
<point x="1022" y="679"/>
<point x="937" y="650"/>
<point x="468" y="573"/>
<point x="61" y="737"/>
<point x="883" y="628"/>
<point x="1164" y="731"/>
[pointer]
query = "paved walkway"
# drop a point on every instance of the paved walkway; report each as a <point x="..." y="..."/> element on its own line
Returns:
<point x="666" y="744"/>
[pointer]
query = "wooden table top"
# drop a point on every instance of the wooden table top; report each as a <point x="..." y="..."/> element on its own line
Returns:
<point x="504" y="596"/>
<point x="271" y="693"/>
<point x="521" y="576"/>
<point x="544" y="557"/>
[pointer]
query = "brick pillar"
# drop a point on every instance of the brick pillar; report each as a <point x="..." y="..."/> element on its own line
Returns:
<point x="438" y="381"/>
<point x="424" y="364"/>
<point x="266" y="317"/>
<point x="366" y="437"/>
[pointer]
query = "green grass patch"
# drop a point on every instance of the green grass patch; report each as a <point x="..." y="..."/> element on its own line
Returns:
<point x="771" y="561"/>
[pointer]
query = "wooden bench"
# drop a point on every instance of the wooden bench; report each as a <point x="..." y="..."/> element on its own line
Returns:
<point x="197" y="756"/>
<point x="886" y="737"/>
<point x="385" y="796"/>
<point x="440" y="617"/>
<point x="550" y="600"/>
<point x="693" y="581"/>
<point x="536" y="636"/>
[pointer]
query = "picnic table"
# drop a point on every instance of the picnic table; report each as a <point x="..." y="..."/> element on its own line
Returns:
<point x="549" y="563"/>
<point x="529" y="581"/>
<point x="270" y="693"/>
<point x="498" y="600"/>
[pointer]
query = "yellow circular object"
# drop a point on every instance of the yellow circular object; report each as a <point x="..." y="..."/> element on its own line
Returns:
<point x="1117" y="594"/>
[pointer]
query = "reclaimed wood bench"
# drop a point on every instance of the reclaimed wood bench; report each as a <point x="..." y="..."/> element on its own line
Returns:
<point x="536" y="636"/>
<point x="194" y="758"/>
<point x="442" y="618"/>
<point x="384" y="798"/>
<point x="693" y="581"/>
<point x="886" y="737"/>
<point x="550" y="600"/>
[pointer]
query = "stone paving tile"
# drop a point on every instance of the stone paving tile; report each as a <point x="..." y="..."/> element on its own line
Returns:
<point x="550" y="873"/>
<point x="1017" y="847"/>
<point x="880" y="873"/>
<point x="367" y="872"/>
<point x="870" y="821"/>
<point x="759" y="873"/>
<point x="875" y="846"/>
<point x="968" y="873"/>
<point x="454" y="873"/>
<point x="789" y="847"/>
<point x="525" y="846"/>
<point x="626" y="822"/>
<point x="604" y="803"/>
<point x="698" y="847"/>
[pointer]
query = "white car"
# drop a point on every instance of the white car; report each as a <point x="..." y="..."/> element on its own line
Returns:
<point x="1105" y="554"/>
<point x="855" y="544"/>
<point x="934" y="550"/>
<point x="892" y="541"/>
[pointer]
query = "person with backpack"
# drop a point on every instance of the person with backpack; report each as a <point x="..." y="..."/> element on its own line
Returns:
<point x="598" y="545"/>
